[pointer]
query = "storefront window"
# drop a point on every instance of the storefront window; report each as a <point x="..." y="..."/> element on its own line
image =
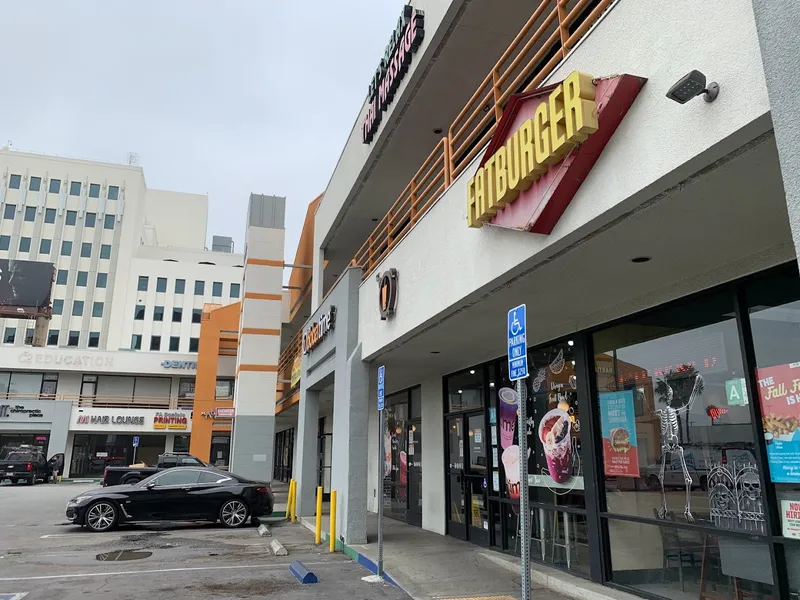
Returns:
<point x="181" y="443"/>
<point x="92" y="453"/>
<point x="186" y="392"/>
<point x="220" y="449"/>
<point x="465" y="390"/>
<point x="396" y="456"/>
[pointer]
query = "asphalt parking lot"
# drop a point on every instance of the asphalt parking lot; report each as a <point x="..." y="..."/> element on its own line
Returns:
<point x="43" y="556"/>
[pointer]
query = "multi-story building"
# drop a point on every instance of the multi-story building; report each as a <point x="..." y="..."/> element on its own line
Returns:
<point x="625" y="170"/>
<point x="132" y="277"/>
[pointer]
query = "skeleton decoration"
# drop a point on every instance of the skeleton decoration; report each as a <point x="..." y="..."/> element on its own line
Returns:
<point x="670" y="442"/>
<point x="734" y="497"/>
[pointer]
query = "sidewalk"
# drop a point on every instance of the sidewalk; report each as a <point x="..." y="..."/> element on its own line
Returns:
<point x="429" y="566"/>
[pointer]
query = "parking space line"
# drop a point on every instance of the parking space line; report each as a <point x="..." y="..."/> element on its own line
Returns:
<point x="263" y="566"/>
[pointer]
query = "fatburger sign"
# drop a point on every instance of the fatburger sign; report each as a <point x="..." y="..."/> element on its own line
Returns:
<point x="313" y="336"/>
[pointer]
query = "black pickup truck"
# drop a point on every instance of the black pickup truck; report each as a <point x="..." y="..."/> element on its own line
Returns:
<point x="128" y="475"/>
<point x="23" y="463"/>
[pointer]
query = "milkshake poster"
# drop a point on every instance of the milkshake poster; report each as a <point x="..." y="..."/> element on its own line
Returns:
<point x="779" y="390"/>
<point x="618" y="424"/>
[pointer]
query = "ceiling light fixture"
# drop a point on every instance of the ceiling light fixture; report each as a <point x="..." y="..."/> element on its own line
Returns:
<point x="472" y="371"/>
<point x="641" y="259"/>
<point x="438" y="131"/>
<point x="570" y="343"/>
<point x="435" y="352"/>
<point x="692" y="85"/>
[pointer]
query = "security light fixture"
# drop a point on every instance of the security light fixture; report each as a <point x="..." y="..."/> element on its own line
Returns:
<point x="692" y="85"/>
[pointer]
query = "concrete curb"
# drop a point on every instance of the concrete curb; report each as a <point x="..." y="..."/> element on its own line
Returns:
<point x="354" y="554"/>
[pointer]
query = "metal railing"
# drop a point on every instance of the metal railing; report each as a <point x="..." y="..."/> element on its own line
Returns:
<point x="554" y="28"/>
<point x="121" y="402"/>
<point x="285" y="364"/>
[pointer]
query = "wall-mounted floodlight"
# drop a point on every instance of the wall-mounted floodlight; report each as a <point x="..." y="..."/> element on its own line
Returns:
<point x="692" y="85"/>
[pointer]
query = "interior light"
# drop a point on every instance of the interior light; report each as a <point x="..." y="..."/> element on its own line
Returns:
<point x="460" y="391"/>
<point x="692" y="85"/>
<point x="573" y="363"/>
<point x="491" y="384"/>
<point x="472" y="371"/>
<point x="570" y="343"/>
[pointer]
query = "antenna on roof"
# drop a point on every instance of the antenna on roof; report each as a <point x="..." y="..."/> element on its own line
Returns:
<point x="133" y="159"/>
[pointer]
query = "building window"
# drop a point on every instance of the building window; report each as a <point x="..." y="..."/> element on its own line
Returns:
<point x="29" y="337"/>
<point x="72" y="217"/>
<point x="138" y="312"/>
<point x="235" y="288"/>
<point x="136" y="341"/>
<point x="45" y="246"/>
<point x="155" y="342"/>
<point x="102" y="280"/>
<point x="30" y="214"/>
<point x="177" y="315"/>
<point x="90" y="219"/>
<point x="86" y="250"/>
<point x="61" y="276"/>
<point x="10" y="334"/>
<point x="113" y="192"/>
<point x="174" y="343"/>
<point x="55" y="186"/>
<point x="197" y="315"/>
<point x="49" y="215"/>
<point x="35" y="184"/>
<point x="105" y="251"/>
<point x="77" y="308"/>
<point x="74" y="337"/>
<point x="158" y="313"/>
<point x="14" y="182"/>
<point x="180" y="286"/>
<point x="75" y="188"/>
<point x="161" y="284"/>
<point x="224" y="389"/>
<point x="83" y="278"/>
<point x="97" y="309"/>
<point x="216" y="289"/>
<point x="58" y="306"/>
<point x="143" y="281"/>
<point x="9" y="211"/>
<point x="52" y="337"/>
<point x="66" y="248"/>
<point x="5" y="242"/>
<point x="199" y="288"/>
<point x="24" y="244"/>
<point x="94" y="339"/>
<point x="108" y="222"/>
<point x="194" y="344"/>
<point x="94" y="190"/>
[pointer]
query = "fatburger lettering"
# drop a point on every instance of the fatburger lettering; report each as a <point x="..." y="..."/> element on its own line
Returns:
<point x="406" y="39"/>
<point x="564" y="119"/>
<point x="314" y="335"/>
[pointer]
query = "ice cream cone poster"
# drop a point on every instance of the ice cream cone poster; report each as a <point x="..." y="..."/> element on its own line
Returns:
<point x="618" y="423"/>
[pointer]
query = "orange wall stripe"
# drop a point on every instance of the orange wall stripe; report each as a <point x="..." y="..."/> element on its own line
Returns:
<point x="257" y="368"/>
<point x="265" y="262"/>
<point x="257" y="331"/>
<point x="257" y="296"/>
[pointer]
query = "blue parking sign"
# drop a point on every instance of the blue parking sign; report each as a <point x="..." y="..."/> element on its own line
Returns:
<point x="517" y="344"/>
<point x="136" y="441"/>
<point x="381" y="385"/>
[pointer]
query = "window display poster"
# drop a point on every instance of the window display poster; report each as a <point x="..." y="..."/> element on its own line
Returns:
<point x="618" y="423"/>
<point x="790" y="518"/>
<point x="779" y="390"/>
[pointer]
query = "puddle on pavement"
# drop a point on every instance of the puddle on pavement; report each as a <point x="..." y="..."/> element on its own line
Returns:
<point x="118" y="555"/>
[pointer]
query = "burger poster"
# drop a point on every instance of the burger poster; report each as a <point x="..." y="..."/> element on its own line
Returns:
<point x="618" y="423"/>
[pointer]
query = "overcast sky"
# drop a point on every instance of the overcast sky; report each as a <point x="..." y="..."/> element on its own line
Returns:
<point x="222" y="97"/>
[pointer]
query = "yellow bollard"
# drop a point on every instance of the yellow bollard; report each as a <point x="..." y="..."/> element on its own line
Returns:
<point x="294" y="501"/>
<point x="318" y="531"/>
<point x="332" y="538"/>
<point x="289" y="500"/>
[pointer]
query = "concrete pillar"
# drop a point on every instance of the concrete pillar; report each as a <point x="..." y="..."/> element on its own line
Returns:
<point x="350" y="447"/>
<point x="304" y="468"/>
<point x="433" y="484"/>
<point x="253" y="434"/>
<point x="778" y="22"/>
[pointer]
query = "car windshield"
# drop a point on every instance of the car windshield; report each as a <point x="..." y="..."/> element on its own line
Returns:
<point x="19" y="456"/>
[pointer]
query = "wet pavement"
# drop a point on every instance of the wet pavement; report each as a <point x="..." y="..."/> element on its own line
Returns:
<point x="47" y="558"/>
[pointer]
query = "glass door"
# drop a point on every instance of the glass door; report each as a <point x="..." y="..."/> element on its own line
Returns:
<point x="457" y="522"/>
<point x="413" y="469"/>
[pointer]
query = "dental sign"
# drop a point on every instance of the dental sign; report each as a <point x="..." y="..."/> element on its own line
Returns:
<point x="544" y="147"/>
<point x="406" y="40"/>
<point x="314" y="335"/>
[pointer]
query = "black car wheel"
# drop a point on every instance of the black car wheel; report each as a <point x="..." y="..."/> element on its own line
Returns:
<point x="233" y="513"/>
<point x="32" y="480"/>
<point x="101" y="516"/>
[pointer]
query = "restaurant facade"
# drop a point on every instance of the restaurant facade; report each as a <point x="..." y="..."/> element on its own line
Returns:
<point x="650" y="232"/>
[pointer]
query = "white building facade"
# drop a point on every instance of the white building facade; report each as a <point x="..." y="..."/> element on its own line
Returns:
<point x="132" y="277"/>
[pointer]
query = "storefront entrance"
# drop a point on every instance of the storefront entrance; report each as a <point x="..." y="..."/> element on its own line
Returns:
<point x="93" y="452"/>
<point x="402" y="484"/>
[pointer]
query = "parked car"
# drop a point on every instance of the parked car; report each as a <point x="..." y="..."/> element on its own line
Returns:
<point x="179" y="494"/>
<point x="122" y="475"/>
<point x="23" y="463"/>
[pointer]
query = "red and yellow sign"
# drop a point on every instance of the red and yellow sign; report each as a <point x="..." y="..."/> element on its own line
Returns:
<point x="170" y="420"/>
<point x="544" y="147"/>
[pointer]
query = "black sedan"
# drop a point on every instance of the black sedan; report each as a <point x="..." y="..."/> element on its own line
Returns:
<point x="179" y="494"/>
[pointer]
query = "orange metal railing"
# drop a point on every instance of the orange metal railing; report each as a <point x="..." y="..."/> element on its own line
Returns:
<point x="285" y="364"/>
<point x="554" y="28"/>
<point x="122" y="402"/>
